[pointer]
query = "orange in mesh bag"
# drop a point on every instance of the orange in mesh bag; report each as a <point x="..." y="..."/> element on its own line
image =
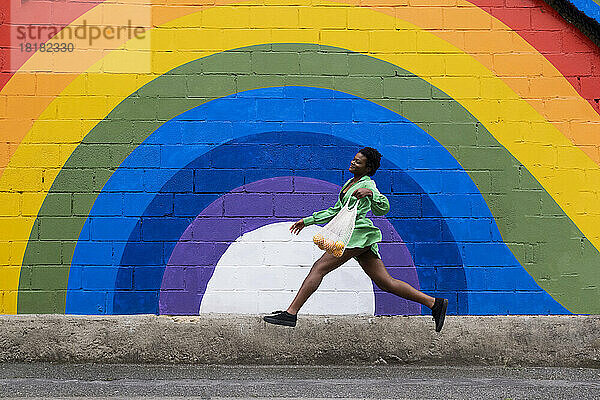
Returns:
<point x="335" y="235"/>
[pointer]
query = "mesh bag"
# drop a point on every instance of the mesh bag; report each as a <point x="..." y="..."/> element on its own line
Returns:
<point x="334" y="236"/>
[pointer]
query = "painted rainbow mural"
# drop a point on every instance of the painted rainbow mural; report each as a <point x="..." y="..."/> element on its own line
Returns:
<point x="159" y="174"/>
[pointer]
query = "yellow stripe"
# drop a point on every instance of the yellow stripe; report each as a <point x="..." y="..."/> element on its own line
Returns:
<point x="467" y="27"/>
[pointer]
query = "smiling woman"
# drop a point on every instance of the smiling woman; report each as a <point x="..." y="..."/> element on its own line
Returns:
<point x="362" y="245"/>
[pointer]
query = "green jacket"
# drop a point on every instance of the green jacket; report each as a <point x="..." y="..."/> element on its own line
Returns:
<point x="365" y="233"/>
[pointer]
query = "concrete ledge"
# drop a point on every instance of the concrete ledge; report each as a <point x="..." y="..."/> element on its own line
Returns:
<point x="566" y="341"/>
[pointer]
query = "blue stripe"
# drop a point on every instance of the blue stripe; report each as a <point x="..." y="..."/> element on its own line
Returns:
<point x="194" y="164"/>
<point x="588" y="7"/>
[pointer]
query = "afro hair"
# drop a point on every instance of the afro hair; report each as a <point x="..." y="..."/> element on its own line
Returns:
<point x="373" y="159"/>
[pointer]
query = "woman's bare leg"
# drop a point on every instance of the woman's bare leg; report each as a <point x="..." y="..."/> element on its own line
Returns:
<point x="320" y="268"/>
<point x="374" y="267"/>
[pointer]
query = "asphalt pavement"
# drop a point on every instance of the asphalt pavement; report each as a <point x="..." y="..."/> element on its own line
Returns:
<point x="380" y="381"/>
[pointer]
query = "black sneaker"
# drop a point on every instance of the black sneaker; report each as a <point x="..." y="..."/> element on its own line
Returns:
<point x="438" y="311"/>
<point x="281" y="318"/>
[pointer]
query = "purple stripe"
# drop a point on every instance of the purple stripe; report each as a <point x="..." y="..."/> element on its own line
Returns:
<point x="250" y="207"/>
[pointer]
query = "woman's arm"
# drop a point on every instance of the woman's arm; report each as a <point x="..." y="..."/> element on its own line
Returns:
<point x="323" y="216"/>
<point x="380" y="205"/>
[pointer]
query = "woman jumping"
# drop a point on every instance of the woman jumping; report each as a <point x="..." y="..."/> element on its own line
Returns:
<point x="362" y="245"/>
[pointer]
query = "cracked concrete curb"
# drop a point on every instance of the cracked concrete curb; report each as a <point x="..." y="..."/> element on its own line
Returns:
<point x="565" y="341"/>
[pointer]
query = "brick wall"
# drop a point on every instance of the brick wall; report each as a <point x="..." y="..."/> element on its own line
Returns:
<point x="162" y="177"/>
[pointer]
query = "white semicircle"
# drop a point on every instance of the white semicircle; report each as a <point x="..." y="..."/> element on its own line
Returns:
<point x="263" y="269"/>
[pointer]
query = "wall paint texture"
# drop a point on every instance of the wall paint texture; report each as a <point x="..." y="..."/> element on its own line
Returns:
<point x="159" y="174"/>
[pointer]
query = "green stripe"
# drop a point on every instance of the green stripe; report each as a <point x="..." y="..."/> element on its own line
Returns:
<point x="544" y="240"/>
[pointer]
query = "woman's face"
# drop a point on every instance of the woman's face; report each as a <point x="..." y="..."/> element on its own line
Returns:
<point x="358" y="165"/>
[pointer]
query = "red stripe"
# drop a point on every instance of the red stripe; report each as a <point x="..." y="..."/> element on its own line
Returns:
<point x="4" y="43"/>
<point x="33" y="13"/>
<point x="564" y="46"/>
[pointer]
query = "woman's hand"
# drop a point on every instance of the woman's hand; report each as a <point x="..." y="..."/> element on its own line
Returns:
<point x="362" y="192"/>
<point x="297" y="227"/>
